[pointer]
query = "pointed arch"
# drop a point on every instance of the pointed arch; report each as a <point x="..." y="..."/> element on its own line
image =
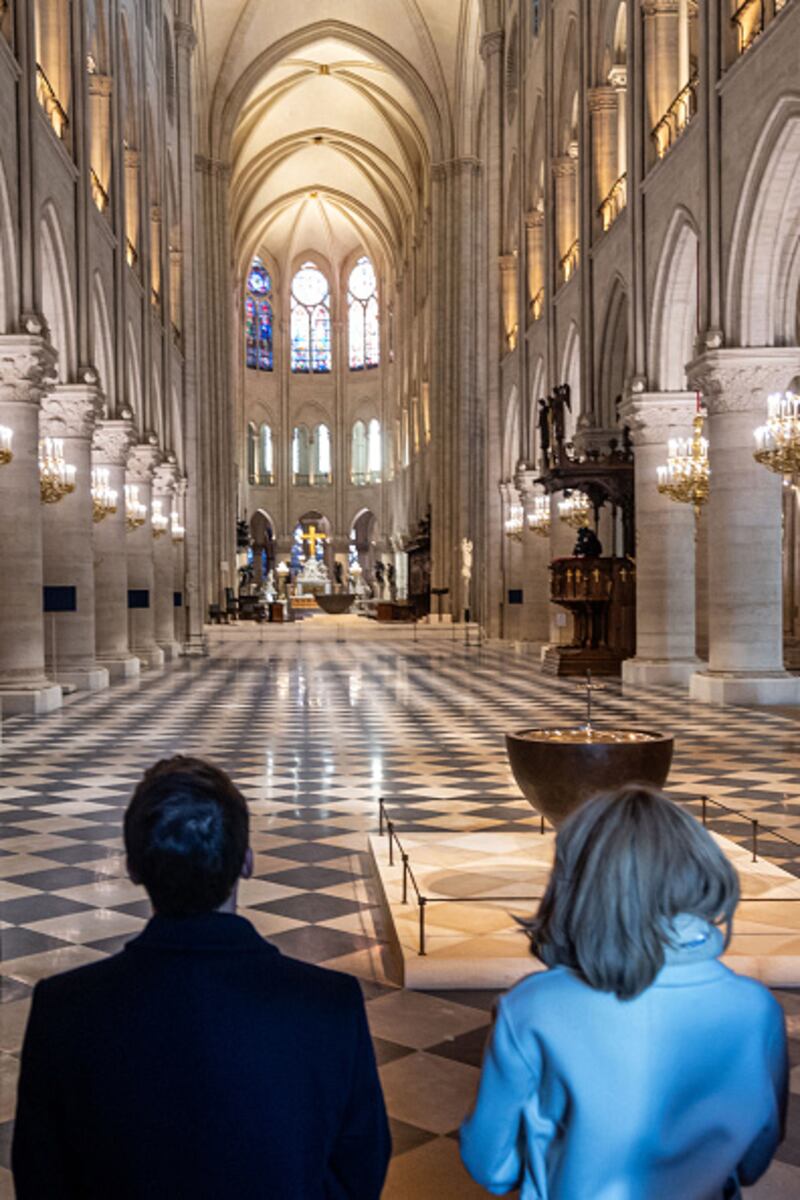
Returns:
<point x="673" y="318"/>
<point x="103" y="344"/>
<point x="614" y="355"/>
<point x="571" y="374"/>
<point x="55" y="300"/>
<point x="511" y="435"/>
<point x="9" y="298"/>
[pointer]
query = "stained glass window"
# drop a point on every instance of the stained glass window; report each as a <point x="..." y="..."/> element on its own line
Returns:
<point x="311" y="321"/>
<point x="258" y="318"/>
<point x="265" y="454"/>
<point x="362" y="302"/>
<point x="374" y="451"/>
<point x="358" y="466"/>
<point x="322" y="454"/>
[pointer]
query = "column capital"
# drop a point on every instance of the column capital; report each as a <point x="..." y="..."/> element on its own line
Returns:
<point x="100" y="85"/>
<point x="660" y="8"/>
<point x="618" y="77"/>
<point x="185" y="36"/>
<point x="654" y="417"/>
<point x="740" y="379"/>
<point x="534" y="219"/>
<point x="602" y="98"/>
<point x="564" y="166"/>
<point x="132" y="157"/>
<point x="165" y="479"/>
<point x="507" y="262"/>
<point x="491" y="44"/>
<point x="27" y="367"/>
<point x="142" y="462"/>
<point x="71" y="410"/>
<point x="112" y="442"/>
<point x="214" y="167"/>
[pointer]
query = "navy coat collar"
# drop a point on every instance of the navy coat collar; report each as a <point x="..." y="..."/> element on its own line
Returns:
<point x="215" y="932"/>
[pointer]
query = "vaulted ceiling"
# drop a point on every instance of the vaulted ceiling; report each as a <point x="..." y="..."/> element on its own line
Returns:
<point x="330" y="115"/>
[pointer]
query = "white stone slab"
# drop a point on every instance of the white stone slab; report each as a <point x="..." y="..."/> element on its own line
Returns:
<point x="472" y="942"/>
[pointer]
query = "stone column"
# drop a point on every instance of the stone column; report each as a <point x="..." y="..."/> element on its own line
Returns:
<point x="534" y="229"/>
<point x="26" y="363"/>
<point x="665" y="547"/>
<point x="180" y="630"/>
<point x="69" y="413"/>
<point x="603" y="107"/>
<point x="618" y="78"/>
<point x="662" y="56"/>
<point x="508" y="289"/>
<point x="141" y="567"/>
<point x="536" y="562"/>
<point x="111" y="445"/>
<point x="565" y="170"/>
<point x="744" y="514"/>
<point x="164" y="482"/>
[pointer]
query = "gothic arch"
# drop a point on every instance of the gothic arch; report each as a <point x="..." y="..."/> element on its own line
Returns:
<point x="614" y="356"/>
<point x="571" y="374"/>
<point x="134" y="379"/>
<point x="764" y="265"/>
<point x="673" y="319"/>
<point x="9" y="300"/>
<point x="103" y="343"/>
<point x="511" y="435"/>
<point x="55" y="294"/>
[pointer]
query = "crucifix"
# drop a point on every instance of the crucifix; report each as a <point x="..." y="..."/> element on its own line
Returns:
<point x="312" y="538"/>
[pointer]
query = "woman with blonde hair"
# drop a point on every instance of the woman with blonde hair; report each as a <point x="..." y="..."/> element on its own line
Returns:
<point x="637" y="1066"/>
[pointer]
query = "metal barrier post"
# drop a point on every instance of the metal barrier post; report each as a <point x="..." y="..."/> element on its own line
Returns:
<point x="704" y="802"/>
<point x="541" y="826"/>
<point x="380" y="818"/>
<point x="422" y="902"/>
<point x="755" y="841"/>
<point x="390" y="827"/>
<point x="405" y="878"/>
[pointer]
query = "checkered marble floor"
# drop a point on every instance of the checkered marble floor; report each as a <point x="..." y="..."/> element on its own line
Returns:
<point x="314" y="734"/>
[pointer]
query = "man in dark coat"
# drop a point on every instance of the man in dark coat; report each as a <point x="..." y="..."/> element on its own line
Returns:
<point x="199" y="1063"/>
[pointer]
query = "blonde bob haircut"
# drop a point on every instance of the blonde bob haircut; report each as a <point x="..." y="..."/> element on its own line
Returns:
<point x="626" y="864"/>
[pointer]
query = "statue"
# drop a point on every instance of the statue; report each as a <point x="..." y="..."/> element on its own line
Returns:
<point x="338" y="574"/>
<point x="391" y="578"/>
<point x="588" y="544"/>
<point x="466" y="561"/>
<point x="543" y="418"/>
<point x="379" y="572"/>
<point x="561" y="399"/>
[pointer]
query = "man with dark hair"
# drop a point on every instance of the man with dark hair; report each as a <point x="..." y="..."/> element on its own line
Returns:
<point x="199" y="1063"/>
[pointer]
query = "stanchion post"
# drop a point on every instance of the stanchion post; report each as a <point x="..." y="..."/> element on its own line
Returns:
<point x="755" y="841"/>
<point x="422" y="903"/>
<point x="390" y="829"/>
<point x="541" y="825"/>
<point x="405" y="878"/>
<point x="380" y="818"/>
<point x="704" y="803"/>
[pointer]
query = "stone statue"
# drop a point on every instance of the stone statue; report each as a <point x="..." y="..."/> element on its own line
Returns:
<point x="543" y="419"/>
<point x="466" y="560"/>
<point x="562" y="399"/>
<point x="338" y="574"/>
<point x="391" y="579"/>
<point x="588" y="544"/>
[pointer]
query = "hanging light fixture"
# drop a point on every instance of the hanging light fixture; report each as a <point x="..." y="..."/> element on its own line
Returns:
<point x="56" y="476"/>
<point x="6" y="438"/>
<point x="104" y="497"/>
<point x="685" y="478"/>
<point x="159" y="523"/>
<point x="575" y="510"/>
<point x="539" y="516"/>
<point x="135" y="511"/>
<point x="178" y="531"/>
<point x="778" y="441"/>
<point x="515" y="521"/>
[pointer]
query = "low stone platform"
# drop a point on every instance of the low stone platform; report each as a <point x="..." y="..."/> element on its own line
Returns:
<point x="476" y="943"/>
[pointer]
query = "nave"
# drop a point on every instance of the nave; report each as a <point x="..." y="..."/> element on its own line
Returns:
<point x="314" y="733"/>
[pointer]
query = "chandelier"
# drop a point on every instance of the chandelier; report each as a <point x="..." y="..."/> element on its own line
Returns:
<point x="778" y="442"/>
<point x="6" y="438"/>
<point x="56" y="476"/>
<point x="159" y="523"/>
<point x="575" y="509"/>
<point x="135" y="511"/>
<point x="685" y="478"/>
<point x="515" y="522"/>
<point x="178" y="531"/>
<point x="104" y="498"/>
<point x="539" y="516"/>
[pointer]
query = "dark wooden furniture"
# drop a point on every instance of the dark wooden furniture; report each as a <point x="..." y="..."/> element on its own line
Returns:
<point x="600" y="595"/>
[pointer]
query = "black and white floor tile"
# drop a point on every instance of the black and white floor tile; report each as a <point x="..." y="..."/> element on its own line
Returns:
<point x="314" y="734"/>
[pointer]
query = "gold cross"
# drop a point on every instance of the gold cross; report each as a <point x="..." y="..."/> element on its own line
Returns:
<point x="312" y="537"/>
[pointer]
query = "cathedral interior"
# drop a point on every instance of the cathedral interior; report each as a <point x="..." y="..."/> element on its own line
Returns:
<point x="373" y="376"/>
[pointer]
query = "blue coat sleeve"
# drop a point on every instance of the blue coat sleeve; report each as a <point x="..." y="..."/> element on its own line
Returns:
<point x="493" y="1136"/>
<point x="760" y="1152"/>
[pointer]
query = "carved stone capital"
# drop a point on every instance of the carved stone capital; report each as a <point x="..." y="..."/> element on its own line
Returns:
<point x="27" y="367"/>
<point x="507" y="263"/>
<point x="655" y="417"/>
<point x="618" y="77"/>
<point x="564" y="166"/>
<point x="185" y="37"/>
<point x="739" y="380"/>
<point x="70" y="411"/>
<point x="491" y="44"/>
<point x="534" y="219"/>
<point x="132" y="159"/>
<point x="142" y="462"/>
<point x="112" y="442"/>
<point x="100" y="85"/>
<point x="165" y="479"/>
<point x="602" y="99"/>
<point x="214" y="167"/>
<point x="525" y="482"/>
<point x="660" y="8"/>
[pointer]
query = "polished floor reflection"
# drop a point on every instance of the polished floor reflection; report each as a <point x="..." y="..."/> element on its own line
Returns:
<point x="315" y="731"/>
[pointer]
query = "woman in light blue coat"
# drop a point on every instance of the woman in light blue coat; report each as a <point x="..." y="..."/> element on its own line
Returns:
<point x="637" y="1067"/>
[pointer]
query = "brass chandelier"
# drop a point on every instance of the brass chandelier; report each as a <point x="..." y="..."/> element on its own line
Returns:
<point x="56" y="475"/>
<point x="685" y="478"/>
<point x="135" y="511"/>
<point x="104" y="497"/>
<point x="575" y="510"/>
<point x="539" y="516"/>
<point x="159" y="523"/>
<point x="178" y="531"/>
<point x="778" y="441"/>
<point x="515" y="522"/>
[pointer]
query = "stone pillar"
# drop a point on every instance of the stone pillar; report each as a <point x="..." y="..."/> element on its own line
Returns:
<point x="565" y="170"/>
<point x="562" y="544"/>
<point x="508" y="290"/>
<point x="26" y="362"/>
<point x="69" y="413"/>
<point x="164" y="483"/>
<point x="141" y="567"/>
<point x="180" y="630"/>
<point x="665" y="548"/>
<point x="662" y="56"/>
<point x="744" y="532"/>
<point x="603" y="107"/>
<point x="536" y="563"/>
<point x="111" y="445"/>
<point x="534" y="228"/>
<point x="618" y="78"/>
